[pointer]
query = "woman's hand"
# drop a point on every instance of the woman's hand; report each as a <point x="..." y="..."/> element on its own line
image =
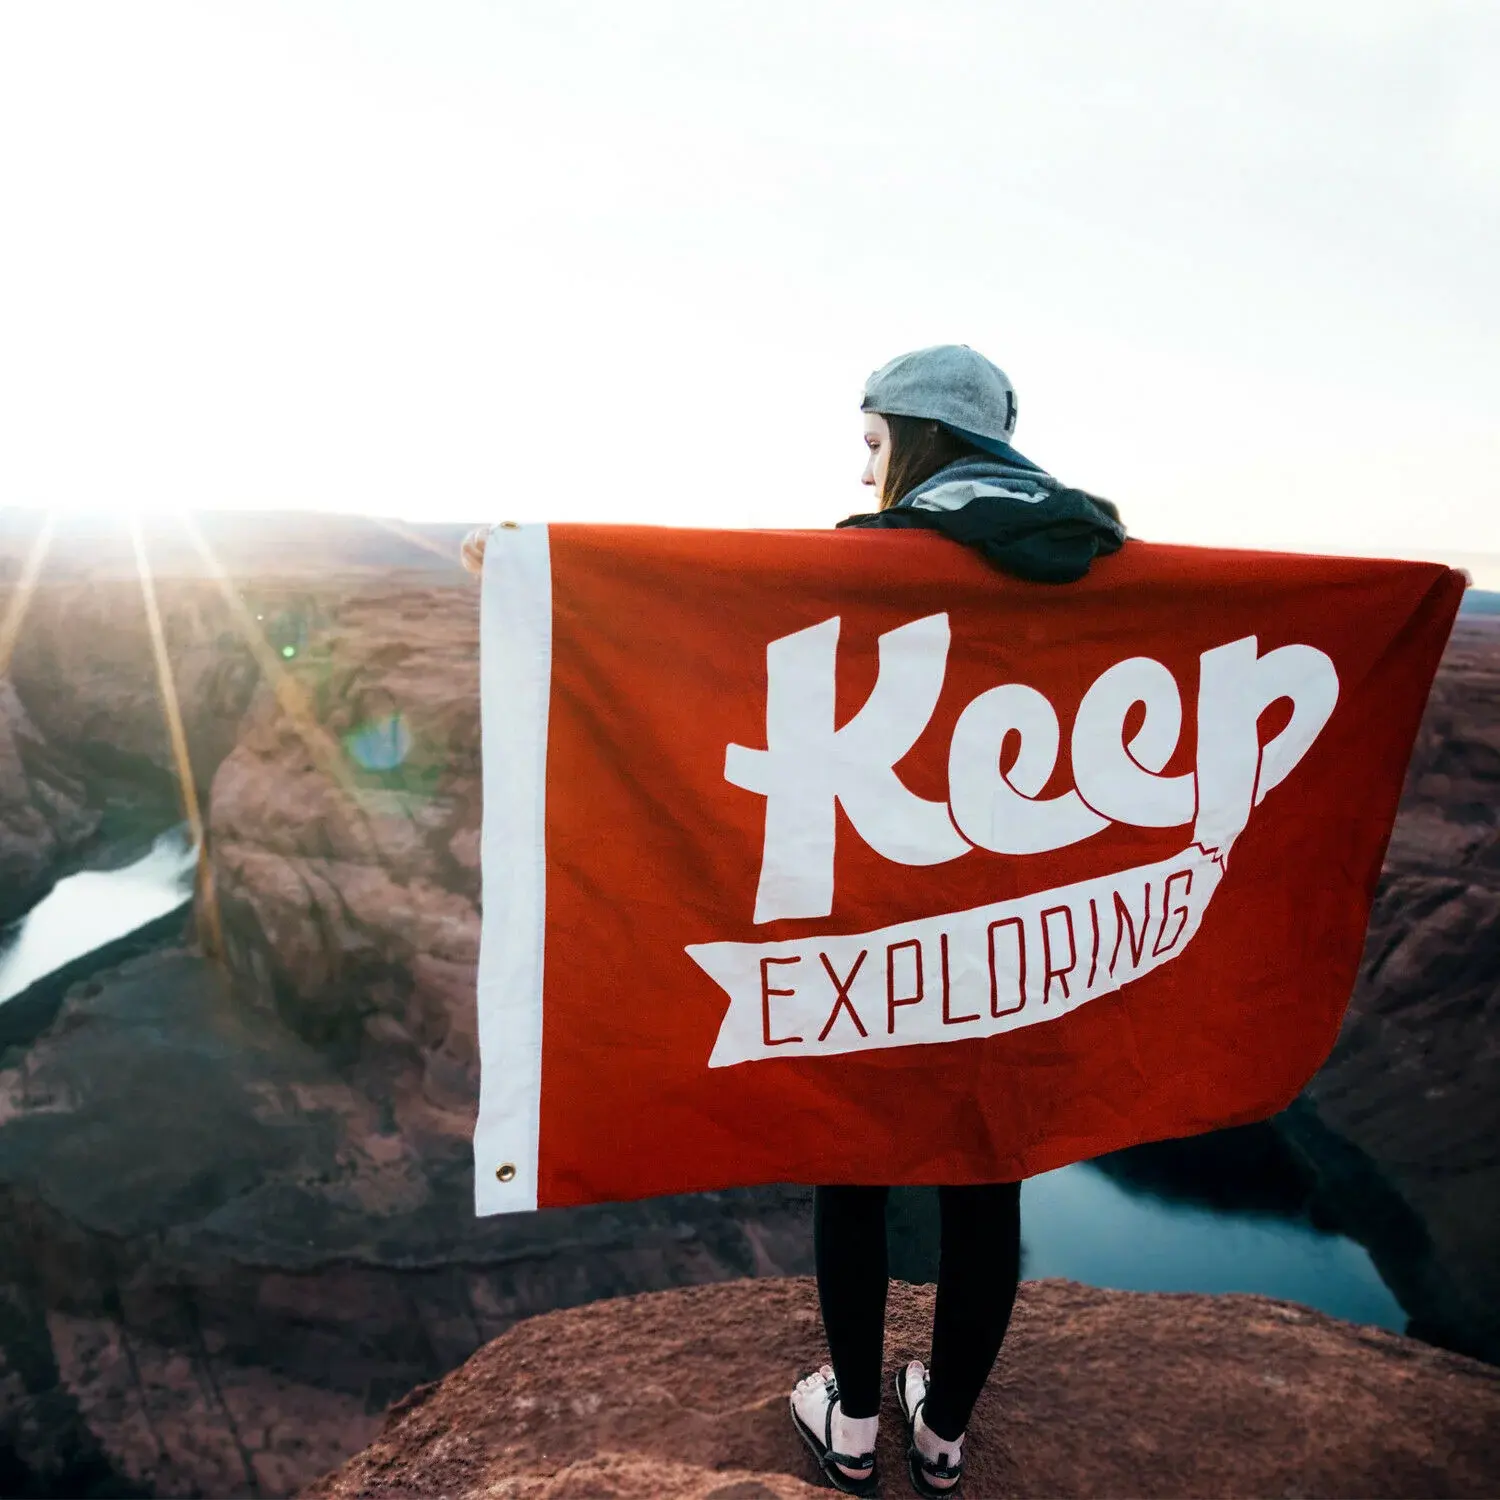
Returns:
<point x="473" y="549"/>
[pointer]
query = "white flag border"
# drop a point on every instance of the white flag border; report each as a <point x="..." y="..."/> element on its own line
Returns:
<point x="515" y="671"/>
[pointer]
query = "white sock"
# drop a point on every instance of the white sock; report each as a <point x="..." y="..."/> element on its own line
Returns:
<point x="934" y="1449"/>
<point x="853" y="1435"/>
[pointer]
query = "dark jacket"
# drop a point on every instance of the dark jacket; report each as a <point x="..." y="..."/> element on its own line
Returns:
<point x="1023" y="521"/>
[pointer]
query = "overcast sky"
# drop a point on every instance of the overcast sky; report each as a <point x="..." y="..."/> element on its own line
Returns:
<point x="633" y="260"/>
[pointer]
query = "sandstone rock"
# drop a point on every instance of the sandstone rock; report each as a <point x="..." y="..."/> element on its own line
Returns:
<point x="1402" y="1123"/>
<point x="684" y="1394"/>
<point x="235" y="1208"/>
<point x="43" y="816"/>
<point x="346" y="852"/>
<point x="85" y="679"/>
<point x="220" y="1258"/>
<point x="84" y="668"/>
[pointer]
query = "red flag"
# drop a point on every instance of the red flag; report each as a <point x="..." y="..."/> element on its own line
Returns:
<point x="841" y="857"/>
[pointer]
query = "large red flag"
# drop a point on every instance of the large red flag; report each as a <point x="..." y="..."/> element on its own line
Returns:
<point x="841" y="857"/>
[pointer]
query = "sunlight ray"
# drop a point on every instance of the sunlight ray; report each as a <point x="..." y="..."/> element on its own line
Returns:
<point x="208" y="904"/>
<point x="291" y="695"/>
<point x="20" y="600"/>
<point x="411" y="534"/>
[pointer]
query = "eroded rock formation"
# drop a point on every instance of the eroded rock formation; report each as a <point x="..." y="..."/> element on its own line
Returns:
<point x="221" y="1257"/>
<point x="87" y="776"/>
<point x="346" y="850"/>
<point x="1402" y="1123"/>
<point x="683" y="1394"/>
<point x="84" y="668"/>
<point x="44" y="816"/>
<point x="235" y="1214"/>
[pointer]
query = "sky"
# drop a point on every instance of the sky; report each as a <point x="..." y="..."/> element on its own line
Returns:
<point x="633" y="260"/>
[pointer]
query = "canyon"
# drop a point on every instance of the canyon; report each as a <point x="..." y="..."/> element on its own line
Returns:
<point x="234" y="1162"/>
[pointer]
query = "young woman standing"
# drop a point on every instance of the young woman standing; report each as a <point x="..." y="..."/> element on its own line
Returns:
<point x="938" y="424"/>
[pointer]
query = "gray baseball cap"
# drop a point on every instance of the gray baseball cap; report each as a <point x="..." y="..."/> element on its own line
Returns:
<point x="954" y="385"/>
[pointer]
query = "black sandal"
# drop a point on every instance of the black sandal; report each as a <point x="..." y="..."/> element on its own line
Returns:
<point x="919" y="1467"/>
<point x="828" y="1460"/>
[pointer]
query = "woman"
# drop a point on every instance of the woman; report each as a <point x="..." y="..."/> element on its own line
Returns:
<point x="938" y="424"/>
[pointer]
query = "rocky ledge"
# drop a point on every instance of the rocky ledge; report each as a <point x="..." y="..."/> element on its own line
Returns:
<point x="1096" y="1393"/>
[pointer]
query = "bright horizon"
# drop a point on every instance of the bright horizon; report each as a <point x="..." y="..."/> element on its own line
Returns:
<point x="594" y="262"/>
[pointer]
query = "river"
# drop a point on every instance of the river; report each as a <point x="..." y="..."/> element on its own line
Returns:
<point x="1080" y="1223"/>
<point x="87" y="910"/>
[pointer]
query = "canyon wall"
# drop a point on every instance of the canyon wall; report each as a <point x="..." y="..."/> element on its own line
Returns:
<point x="235" y="1193"/>
<point x="45" y="818"/>
<point x="1402" y="1124"/>
<point x="236" y="1190"/>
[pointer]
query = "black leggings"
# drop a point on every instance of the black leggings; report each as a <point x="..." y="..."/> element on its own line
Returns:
<point x="978" y="1270"/>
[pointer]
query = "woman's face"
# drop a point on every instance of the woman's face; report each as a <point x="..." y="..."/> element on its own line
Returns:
<point x="878" y="442"/>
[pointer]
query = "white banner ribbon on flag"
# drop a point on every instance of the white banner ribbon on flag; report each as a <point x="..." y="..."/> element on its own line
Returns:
<point x="962" y="974"/>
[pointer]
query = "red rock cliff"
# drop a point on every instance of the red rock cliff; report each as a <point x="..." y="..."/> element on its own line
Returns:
<point x="235" y="1202"/>
<point x="684" y="1394"/>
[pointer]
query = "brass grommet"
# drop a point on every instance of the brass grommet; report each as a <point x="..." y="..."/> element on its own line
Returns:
<point x="506" y="1171"/>
<point x="510" y="525"/>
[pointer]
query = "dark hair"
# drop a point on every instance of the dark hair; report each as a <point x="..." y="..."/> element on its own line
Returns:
<point x="919" y="448"/>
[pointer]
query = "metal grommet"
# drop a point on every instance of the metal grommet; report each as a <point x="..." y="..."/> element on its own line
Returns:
<point x="506" y="1171"/>
<point x="510" y="525"/>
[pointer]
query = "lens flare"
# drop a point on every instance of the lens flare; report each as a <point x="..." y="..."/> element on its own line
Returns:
<point x="208" y="905"/>
<point x="380" y="744"/>
<point x="15" y="611"/>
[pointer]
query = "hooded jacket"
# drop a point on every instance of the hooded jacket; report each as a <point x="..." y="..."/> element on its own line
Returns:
<point x="1022" y="520"/>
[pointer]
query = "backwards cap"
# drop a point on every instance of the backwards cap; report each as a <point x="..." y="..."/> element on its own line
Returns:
<point x="954" y="385"/>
